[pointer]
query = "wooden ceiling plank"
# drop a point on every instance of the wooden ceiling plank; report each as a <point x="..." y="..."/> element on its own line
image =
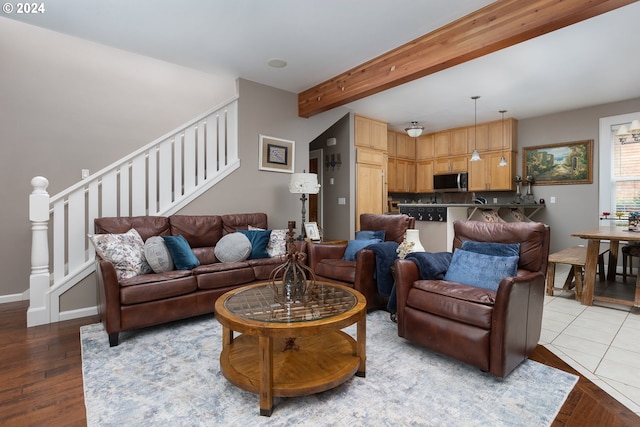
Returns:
<point x="494" y="27"/>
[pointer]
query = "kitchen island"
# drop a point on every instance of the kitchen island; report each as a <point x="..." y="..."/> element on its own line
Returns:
<point x="435" y="221"/>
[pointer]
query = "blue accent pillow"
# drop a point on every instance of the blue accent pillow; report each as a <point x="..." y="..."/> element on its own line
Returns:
<point x="181" y="253"/>
<point x="259" y="240"/>
<point x="492" y="248"/>
<point x="369" y="234"/>
<point x="479" y="270"/>
<point x="354" y="246"/>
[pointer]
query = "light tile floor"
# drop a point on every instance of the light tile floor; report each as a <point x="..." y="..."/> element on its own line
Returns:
<point x="602" y="341"/>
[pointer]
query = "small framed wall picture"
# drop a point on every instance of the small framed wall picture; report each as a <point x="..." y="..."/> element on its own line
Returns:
<point x="311" y="230"/>
<point x="276" y="154"/>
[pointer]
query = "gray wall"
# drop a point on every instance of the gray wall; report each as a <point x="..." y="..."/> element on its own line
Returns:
<point x="336" y="220"/>
<point x="68" y="104"/>
<point x="576" y="206"/>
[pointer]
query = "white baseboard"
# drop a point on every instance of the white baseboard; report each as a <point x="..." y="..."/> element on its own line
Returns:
<point x="14" y="297"/>
<point x="78" y="313"/>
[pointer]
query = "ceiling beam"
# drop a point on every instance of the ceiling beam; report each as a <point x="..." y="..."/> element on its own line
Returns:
<point x="499" y="25"/>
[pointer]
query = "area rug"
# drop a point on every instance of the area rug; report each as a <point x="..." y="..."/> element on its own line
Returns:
<point x="170" y="376"/>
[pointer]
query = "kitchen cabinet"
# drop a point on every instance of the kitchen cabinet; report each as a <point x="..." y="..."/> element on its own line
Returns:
<point x="510" y="135"/>
<point x="485" y="174"/>
<point x="371" y="181"/>
<point x="459" y="141"/>
<point x="402" y="176"/>
<point x="370" y="133"/>
<point x="450" y="164"/>
<point x="405" y="147"/>
<point x="370" y="189"/>
<point x="391" y="175"/>
<point x="406" y="175"/>
<point x="391" y="143"/>
<point x="451" y="142"/>
<point x="424" y="147"/>
<point x="424" y="176"/>
<point x="482" y="133"/>
<point x="370" y="139"/>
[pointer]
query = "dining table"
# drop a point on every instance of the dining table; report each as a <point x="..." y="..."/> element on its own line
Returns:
<point x="614" y="234"/>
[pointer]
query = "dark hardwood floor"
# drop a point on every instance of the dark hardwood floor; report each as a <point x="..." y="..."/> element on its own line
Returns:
<point x="41" y="377"/>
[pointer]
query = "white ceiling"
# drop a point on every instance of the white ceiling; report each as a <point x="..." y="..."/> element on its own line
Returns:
<point x="589" y="63"/>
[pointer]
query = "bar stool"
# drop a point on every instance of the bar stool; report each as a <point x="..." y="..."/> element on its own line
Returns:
<point x="628" y="252"/>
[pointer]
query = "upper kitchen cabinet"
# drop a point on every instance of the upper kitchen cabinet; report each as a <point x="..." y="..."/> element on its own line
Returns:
<point x="451" y="142"/>
<point x="450" y="164"/>
<point x="370" y="133"/>
<point x="425" y="146"/>
<point x="478" y="138"/>
<point x="391" y="143"/>
<point x="405" y="147"/>
<point x="510" y="135"/>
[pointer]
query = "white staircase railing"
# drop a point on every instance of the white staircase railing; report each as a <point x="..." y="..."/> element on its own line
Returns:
<point x="158" y="179"/>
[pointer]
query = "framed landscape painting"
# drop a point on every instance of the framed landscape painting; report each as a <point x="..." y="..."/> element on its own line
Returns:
<point x="563" y="163"/>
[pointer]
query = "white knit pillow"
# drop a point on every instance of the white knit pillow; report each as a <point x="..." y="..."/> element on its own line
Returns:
<point x="233" y="247"/>
<point x="157" y="254"/>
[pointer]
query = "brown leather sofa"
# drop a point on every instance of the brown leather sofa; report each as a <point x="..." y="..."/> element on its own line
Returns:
<point x="326" y="259"/>
<point x="154" y="298"/>
<point x="494" y="331"/>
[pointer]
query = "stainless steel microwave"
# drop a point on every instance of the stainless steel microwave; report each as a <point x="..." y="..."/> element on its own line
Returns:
<point x="451" y="182"/>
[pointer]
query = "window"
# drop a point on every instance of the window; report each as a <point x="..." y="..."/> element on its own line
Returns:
<point x="619" y="167"/>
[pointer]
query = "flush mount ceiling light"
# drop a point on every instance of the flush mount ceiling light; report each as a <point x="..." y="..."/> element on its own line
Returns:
<point x="475" y="156"/>
<point x="414" y="131"/>
<point x="277" y="63"/>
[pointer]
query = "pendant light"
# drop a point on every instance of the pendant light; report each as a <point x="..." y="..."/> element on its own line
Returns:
<point x="503" y="161"/>
<point x="414" y="131"/>
<point x="475" y="156"/>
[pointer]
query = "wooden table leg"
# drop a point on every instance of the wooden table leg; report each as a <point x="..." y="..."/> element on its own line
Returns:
<point x="577" y="273"/>
<point x="613" y="260"/>
<point x="570" y="276"/>
<point x="227" y="336"/>
<point x="590" y="271"/>
<point x="551" y="276"/>
<point x="361" y="346"/>
<point x="266" y="376"/>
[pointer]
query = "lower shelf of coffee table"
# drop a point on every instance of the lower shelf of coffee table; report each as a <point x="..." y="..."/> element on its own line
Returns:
<point x="320" y="363"/>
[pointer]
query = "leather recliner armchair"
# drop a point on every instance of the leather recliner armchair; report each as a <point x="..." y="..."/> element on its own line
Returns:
<point x="494" y="331"/>
<point x="325" y="259"/>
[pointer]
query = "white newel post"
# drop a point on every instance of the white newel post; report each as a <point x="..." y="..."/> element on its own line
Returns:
<point x="39" y="307"/>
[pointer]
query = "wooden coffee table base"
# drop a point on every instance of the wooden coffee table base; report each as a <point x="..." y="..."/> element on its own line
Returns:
<point x="260" y="365"/>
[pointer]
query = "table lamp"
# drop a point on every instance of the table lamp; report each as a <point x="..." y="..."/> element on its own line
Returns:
<point x="304" y="183"/>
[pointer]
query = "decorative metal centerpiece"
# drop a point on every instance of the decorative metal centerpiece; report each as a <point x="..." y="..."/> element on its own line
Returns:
<point x="292" y="282"/>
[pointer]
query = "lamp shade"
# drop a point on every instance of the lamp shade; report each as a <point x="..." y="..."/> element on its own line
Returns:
<point x="635" y="126"/>
<point x="304" y="183"/>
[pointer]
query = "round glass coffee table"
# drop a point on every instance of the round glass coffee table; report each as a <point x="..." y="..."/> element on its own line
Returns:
<point x="291" y="350"/>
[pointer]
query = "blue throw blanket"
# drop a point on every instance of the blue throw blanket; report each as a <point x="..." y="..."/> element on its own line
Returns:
<point x="386" y="254"/>
<point x="432" y="266"/>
